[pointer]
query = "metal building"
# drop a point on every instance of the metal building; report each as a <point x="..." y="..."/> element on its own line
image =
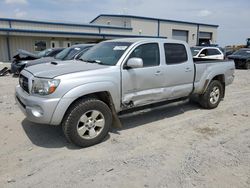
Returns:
<point x="35" y="36"/>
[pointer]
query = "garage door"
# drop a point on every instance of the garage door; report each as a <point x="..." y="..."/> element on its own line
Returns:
<point x="180" y="35"/>
<point x="205" y="38"/>
<point x="205" y="35"/>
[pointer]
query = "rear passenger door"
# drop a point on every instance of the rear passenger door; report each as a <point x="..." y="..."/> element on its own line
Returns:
<point x="178" y="71"/>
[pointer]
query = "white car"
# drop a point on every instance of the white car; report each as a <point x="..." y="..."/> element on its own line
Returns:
<point x="202" y="52"/>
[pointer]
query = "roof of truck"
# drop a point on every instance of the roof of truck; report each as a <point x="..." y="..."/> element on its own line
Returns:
<point x="133" y="40"/>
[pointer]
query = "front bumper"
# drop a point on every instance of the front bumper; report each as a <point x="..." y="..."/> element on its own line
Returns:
<point x="240" y="62"/>
<point x="16" y="68"/>
<point x="36" y="109"/>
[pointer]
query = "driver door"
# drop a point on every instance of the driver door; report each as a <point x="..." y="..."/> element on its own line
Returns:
<point x="143" y="85"/>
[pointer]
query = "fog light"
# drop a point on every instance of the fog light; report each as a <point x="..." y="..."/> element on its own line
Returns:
<point x="37" y="111"/>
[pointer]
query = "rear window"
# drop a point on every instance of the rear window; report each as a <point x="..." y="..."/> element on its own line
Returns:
<point x="213" y="52"/>
<point x="175" y="53"/>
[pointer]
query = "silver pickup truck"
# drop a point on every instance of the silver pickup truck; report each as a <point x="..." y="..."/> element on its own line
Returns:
<point x="85" y="96"/>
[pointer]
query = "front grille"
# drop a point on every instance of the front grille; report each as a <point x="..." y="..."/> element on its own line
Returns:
<point x="24" y="83"/>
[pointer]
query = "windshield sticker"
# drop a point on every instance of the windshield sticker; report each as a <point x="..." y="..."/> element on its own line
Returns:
<point x="248" y="52"/>
<point x="120" y="48"/>
<point x="77" y="48"/>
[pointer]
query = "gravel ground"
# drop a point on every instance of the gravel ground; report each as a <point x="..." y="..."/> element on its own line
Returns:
<point x="178" y="145"/>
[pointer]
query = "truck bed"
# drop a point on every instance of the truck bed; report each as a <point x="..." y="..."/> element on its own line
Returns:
<point x="200" y="60"/>
<point x="205" y="70"/>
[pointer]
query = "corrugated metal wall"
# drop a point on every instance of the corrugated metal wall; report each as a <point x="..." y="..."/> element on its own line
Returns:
<point x="114" y="21"/>
<point x="3" y="49"/>
<point x="25" y="43"/>
<point x="50" y="27"/>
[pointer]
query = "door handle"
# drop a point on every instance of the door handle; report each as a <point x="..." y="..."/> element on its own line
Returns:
<point x="188" y="69"/>
<point x="157" y="73"/>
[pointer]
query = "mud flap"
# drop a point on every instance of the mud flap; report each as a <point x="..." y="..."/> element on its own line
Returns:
<point x="116" y="121"/>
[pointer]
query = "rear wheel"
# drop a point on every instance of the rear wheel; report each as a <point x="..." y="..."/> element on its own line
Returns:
<point x="87" y="122"/>
<point x="247" y="65"/>
<point x="212" y="97"/>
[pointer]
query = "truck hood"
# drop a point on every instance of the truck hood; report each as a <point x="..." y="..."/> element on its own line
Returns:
<point x="40" y="61"/>
<point x="58" y="68"/>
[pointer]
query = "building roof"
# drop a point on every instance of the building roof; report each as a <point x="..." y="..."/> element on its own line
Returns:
<point x="150" y="18"/>
<point x="64" y="24"/>
<point x="103" y="35"/>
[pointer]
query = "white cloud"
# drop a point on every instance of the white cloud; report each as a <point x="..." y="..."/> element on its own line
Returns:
<point x="204" y="13"/>
<point x="19" y="13"/>
<point x="16" y="1"/>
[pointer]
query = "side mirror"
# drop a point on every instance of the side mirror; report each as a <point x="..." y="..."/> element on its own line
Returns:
<point x="134" y="63"/>
<point x="202" y="55"/>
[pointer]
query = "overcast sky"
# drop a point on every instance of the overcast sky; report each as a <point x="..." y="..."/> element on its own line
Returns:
<point x="233" y="16"/>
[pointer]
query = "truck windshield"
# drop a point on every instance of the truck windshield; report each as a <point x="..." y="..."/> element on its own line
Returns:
<point x="106" y="53"/>
<point x="44" y="53"/>
<point x="68" y="53"/>
<point x="242" y="52"/>
<point x="195" y="50"/>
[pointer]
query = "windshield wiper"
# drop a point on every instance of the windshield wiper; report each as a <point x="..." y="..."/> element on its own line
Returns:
<point x="92" y="61"/>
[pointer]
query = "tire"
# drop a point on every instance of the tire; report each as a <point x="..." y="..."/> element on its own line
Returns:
<point x="247" y="65"/>
<point x="83" y="126"/>
<point x="213" y="95"/>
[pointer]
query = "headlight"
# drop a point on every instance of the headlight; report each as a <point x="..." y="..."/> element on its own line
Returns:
<point x="44" y="86"/>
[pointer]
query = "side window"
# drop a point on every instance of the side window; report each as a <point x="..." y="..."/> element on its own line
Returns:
<point x="81" y="53"/>
<point x="175" y="53"/>
<point x="40" y="45"/>
<point x="149" y="53"/>
<point x="204" y="52"/>
<point x="213" y="52"/>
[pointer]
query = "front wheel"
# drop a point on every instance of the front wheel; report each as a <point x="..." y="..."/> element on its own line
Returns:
<point x="212" y="97"/>
<point x="87" y="122"/>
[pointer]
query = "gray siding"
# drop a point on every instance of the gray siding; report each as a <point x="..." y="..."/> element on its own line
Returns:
<point x="166" y="29"/>
<point x="24" y="43"/>
<point x="50" y="27"/>
<point x="114" y="21"/>
<point x="24" y="33"/>
<point x="3" y="49"/>
<point x="4" y="24"/>
<point x="144" y="27"/>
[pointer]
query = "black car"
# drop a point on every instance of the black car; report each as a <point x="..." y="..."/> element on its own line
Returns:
<point x="241" y="58"/>
<point x="73" y="52"/>
<point x="22" y="57"/>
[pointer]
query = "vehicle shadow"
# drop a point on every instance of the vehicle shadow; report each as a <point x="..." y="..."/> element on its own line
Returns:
<point x="48" y="136"/>
<point x="158" y="113"/>
<point x="45" y="135"/>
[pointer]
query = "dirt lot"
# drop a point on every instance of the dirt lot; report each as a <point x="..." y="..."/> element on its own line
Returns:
<point x="179" y="145"/>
